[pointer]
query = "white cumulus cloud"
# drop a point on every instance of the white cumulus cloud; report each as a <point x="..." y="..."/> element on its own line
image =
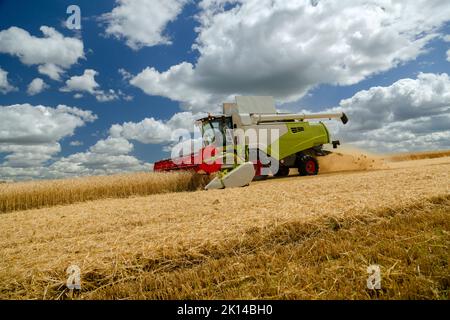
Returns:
<point x="108" y="156"/>
<point x="176" y="84"/>
<point x="30" y="136"/>
<point x="411" y="114"/>
<point x="5" y="86"/>
<point x="142" y="22"/>
<point x="30" y="139"/>
<point x="27" y="124"/>
<point x="26" y="156"/>
<point x="86" y="83"/>
<point x="53" y="53"/>
<point x="112" y="146"/>
<point x="36" y="86"/>
<point x="51" y="70"/>
<point x="153" y="131"/>
<point x="76" y="143"/>
<point x="285" y="48"/>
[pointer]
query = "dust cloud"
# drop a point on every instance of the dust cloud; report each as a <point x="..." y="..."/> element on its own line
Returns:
<point x="349" y="158"/>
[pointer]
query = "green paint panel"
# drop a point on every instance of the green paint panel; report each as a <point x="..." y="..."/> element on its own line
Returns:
<point x="300" y="136"/>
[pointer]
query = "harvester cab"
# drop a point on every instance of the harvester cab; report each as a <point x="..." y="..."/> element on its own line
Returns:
<point x="251" y="140"/>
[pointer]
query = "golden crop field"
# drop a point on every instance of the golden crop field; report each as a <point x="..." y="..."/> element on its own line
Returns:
<point x="289" y="238"/>
<point x="38" y="194"/>
<point x="418" y="155"/>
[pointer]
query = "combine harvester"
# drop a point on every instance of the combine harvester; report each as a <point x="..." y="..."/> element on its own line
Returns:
<point x="283" y="141"/>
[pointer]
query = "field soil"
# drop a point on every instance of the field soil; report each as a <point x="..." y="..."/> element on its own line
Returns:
<point x="295" y="237"/>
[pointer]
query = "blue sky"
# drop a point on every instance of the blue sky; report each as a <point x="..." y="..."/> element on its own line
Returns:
<point x="107" y="56"/>
<point x="310" y="81"/>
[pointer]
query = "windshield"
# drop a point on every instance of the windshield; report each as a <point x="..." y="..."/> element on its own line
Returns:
<point x="216" y="129"/>
<point x="210" y="129"/>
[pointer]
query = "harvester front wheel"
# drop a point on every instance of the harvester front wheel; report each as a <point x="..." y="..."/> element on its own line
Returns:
<point x="308" y="166"/>
<point x="283" y="171"/>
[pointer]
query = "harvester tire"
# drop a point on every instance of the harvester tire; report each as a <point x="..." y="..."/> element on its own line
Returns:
<point x="308" y="166"/>
<point x="260" y="178"/>
<point x="283" y="171"/>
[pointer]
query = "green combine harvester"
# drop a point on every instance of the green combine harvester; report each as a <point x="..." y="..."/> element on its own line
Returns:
<point x="251" y="141"/>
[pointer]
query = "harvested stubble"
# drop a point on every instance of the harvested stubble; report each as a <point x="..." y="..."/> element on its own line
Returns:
<point x="322" y="259"/>
<point x="308" y="237"/>
<point x="39" y="194"/>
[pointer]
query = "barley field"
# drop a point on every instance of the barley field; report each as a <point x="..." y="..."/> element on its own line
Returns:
<point x="38" y="194"/>
<point x="48" y="193"/>
<point x="418" y="155"/>
<point x="289" y="238"/>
